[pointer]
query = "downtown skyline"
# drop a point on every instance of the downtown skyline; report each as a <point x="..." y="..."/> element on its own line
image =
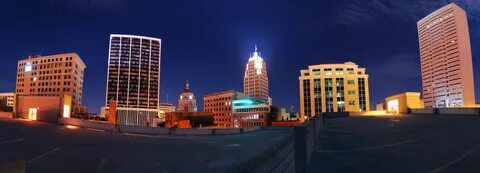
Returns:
<point x="222" y="55"/>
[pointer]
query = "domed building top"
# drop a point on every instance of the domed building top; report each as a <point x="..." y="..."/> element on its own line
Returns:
<point x="187" y="101"/>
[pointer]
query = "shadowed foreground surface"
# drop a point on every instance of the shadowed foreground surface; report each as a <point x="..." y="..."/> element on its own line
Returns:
<point x="408" y="143"/>
<point x="46" y="147"/>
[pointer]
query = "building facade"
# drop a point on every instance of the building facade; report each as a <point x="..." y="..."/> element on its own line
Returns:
<point x="163" y="108"/>
<point x="446" y="58"/>
<point x="187" y="101"/>
<point x="220" y="104"/>
<point x="250" y="112"/>
<point x="133" y="77"/>
<point x="43" y="108"/>
<point x="400" y="103"/>
<point x="255" y="81"/>
<point x="333" y="88"/>
<point x="53" y="75"/>
<point x="7" y="101"/>
<point x="189" y="120"/>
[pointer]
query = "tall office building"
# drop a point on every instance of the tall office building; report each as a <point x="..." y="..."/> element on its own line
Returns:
<point x="255" y="81"/>
<point x="133" y="79"/>
<point x="220" y="104"/>
<point x="52" y="75"/>
<point x="446" y="58"/>
<point x="187" y="101"/>
<point x="333" y="88"/>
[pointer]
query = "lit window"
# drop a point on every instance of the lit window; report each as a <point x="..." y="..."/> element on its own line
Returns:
<point x="28" y="67"/>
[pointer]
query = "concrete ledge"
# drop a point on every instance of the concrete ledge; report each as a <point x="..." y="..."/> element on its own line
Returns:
<point x="192" y="131"/>
<point x="275" y="128"/>
<point x="87" y="124"/>
<point x="151" y="130"/>
<point x="447" y="111"/>
<point x="336" y="114"/>
<point x="458" y="111"/>
<point x="423" y="111"/>
<point x="251" y="129"/>
<point x="143" y="130"/>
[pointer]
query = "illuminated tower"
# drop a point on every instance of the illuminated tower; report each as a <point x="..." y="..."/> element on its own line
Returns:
<point x="187" y="101"/>
<point x="255" y="81"/>
<point x="446" y="58"/>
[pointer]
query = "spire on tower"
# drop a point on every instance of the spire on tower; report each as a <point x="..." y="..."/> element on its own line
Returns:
<point x="255" y="47"/>
<point x="187" y="86"/>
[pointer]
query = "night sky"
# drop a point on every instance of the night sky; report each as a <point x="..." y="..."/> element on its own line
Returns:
<point x="208" y="42"/>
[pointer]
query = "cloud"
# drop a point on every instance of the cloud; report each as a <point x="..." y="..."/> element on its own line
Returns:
<point x="353" y="12"/>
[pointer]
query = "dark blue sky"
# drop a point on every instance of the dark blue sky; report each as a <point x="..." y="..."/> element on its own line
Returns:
<point x="208" y="42"/>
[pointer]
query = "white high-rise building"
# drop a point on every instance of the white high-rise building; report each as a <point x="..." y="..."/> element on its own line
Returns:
<point x="133" y="79"/>
<point x="446" y="58"/>
<point x="256" y="79"/>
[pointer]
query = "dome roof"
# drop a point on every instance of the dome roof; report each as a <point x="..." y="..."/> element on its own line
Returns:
<point x="187" y="101"/>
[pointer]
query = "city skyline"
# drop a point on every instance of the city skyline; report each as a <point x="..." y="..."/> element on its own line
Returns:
<point x="240" y="86"/>
<point x="234" y="53"/>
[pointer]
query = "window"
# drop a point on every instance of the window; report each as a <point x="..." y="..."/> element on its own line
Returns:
<point x="329" y="95"/>
<point x="339" y="71"/>
<point x="340" y="95"/>
<point x="317" y="96"/>
<point x="351" y="103"/>
<point x="351" y="82"/>
<point x="306" y="98"/>
<point x="350" y="71"/>
<point x="316" y="71"/>
<point x="328" y="71"/>
<point x="351" y="92"/>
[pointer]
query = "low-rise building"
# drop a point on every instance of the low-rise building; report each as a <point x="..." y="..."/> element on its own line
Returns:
<point x="333" y="88"/>
<point x="43" y="108"/>
<point x="380" y="107"/>
<point x="220" y="104"/>
<point x="400" y="103"/>
<point x="163" y="108"/>
<point x="188" y="119"/>
<point x="7" y="100"/>
<point x="250" y="112"/>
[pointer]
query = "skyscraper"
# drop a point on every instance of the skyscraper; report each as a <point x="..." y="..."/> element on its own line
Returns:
<point x="333" y="88"/>
<point x="446" y="58"/>
<point x="133" y="79"/>
<point x="51" y="75"/>
<point x="187" y="101"/>
<point x="255" y="81"/>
